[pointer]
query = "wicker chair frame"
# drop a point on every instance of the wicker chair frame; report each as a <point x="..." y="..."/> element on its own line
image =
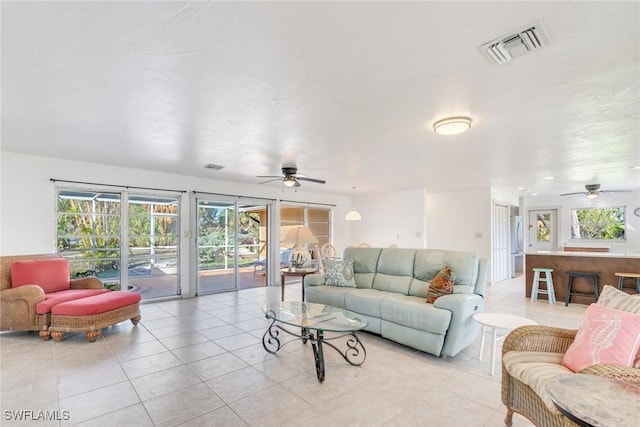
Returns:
<point x="520" y="398"/>
<point x="18" y="305"/>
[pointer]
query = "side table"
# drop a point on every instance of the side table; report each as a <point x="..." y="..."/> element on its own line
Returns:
<point x="590" y="400"/>
<point x="298" y="272"/>
<point x="497" y="322"/>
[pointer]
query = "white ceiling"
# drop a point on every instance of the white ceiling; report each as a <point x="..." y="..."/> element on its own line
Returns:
<point x="347" y="91"/>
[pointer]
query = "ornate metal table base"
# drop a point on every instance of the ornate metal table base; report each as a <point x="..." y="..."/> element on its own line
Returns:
<point x="355" y="353"/>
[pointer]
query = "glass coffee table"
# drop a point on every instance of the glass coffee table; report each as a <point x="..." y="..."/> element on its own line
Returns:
<point x="310" y="321"/>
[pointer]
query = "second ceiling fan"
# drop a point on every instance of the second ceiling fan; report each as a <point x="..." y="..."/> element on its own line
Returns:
<point x="593" y="191"/>
<point x="290" y="177"/>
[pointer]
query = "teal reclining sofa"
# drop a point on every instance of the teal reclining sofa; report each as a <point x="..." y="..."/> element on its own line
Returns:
<point x="391" y="290"/>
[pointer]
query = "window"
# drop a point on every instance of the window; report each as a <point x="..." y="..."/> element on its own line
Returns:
<point x="543" y="227"/>
<point x="598" y="223"/>
<point x="316" y="218"/>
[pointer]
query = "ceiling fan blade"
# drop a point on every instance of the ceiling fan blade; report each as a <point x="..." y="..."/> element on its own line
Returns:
<point x="317" y="181"/>
<point x="297" y="184"/>
<point x="615" y="191"/>
<point x="270" y="180"/>
<point x="269" y="176"/>
<point x="573" y="194"/>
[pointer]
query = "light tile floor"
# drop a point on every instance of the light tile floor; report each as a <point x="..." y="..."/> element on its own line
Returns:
<point x="200" y="362"/>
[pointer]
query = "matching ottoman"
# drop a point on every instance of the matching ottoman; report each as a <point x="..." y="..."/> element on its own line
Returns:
<point x="93" y="313"/>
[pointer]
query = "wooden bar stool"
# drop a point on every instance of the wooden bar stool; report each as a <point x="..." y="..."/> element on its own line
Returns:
<point x="589" y="275"/>
<point x="548" y="278"/>
<point x="622" y="276"/>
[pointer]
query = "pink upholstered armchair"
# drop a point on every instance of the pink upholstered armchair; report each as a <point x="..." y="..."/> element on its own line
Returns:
<point x="31" y="284"/>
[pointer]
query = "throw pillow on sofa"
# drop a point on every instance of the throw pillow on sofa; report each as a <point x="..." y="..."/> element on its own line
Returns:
<point x="339" y="273"/>
<point x="440" y="285"/>
<point x="606" y="336"/>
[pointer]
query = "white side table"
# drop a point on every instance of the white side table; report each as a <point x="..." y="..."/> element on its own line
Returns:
<point x="498" y="322"/>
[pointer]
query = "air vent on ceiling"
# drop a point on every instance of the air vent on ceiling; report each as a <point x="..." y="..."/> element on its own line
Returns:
<point x="505" y="48"/>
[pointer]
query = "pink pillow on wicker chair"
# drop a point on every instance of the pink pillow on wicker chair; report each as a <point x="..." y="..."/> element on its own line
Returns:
<point x="606" y="336"/>
<point x="50" y="274"/>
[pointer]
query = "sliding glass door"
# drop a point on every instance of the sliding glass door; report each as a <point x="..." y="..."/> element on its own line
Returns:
<point x="231" y="241"/>
<point x="152" y="258"/>
<point x="101" y="231"/>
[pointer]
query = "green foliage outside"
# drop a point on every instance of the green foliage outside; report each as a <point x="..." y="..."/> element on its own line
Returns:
<point x="543" y="230"/>
<point x="89" y="234"/>
<point x="598" y="223"/>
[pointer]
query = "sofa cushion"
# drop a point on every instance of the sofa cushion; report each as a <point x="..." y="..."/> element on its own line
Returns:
<point x="535" y="369"/>
<point x="440" y="285"/>
<point x="328" y="295"/>
<point x="365" y="301"/>
<point x="414" y="313"/>
<point x="418" y="288"/>
<point x="339" y="272"/>
<point x="606" y="336"/>
<point x="429" y="261"/>
<point x="50" y="274"/>
<point x="365" y="262"/>
<point x="54" y="298"/>
<point x="96" y="304"/>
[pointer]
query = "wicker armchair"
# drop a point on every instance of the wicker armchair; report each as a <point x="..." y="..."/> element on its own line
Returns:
<point x="18" y="305"/>
<point x="520" y="398"/>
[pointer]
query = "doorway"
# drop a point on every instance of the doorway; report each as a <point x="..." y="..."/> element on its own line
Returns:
<point x="231" y="243"/>
<point x="543" y="230"/>
<point x="500" y="255"/>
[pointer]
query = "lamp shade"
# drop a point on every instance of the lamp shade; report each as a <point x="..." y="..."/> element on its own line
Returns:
<point x="353" y="215"/>
<point x="300" y="236"/>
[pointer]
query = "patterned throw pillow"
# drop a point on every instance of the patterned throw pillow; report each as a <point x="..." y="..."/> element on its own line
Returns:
<point x="339" y="273"/>
<point x="606" y="336"/>
<point x="440" y="285"/>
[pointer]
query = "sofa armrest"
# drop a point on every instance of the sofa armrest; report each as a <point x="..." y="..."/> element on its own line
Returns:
<point x="539" y="338"/>
<point x="631" y="375"/>
<point x="462" y="328"/>
<point x="18" y="306"/>
<point x="31" y="293"/>
<point x="315" y="279"/>
<point x="90" y="282"/>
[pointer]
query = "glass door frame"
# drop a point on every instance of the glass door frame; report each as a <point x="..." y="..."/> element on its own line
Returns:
<point x="238" y="202"/>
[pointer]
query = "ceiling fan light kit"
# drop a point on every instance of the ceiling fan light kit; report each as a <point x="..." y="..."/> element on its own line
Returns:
<point x="289" y="181"/>
<point x="452" y="125"/>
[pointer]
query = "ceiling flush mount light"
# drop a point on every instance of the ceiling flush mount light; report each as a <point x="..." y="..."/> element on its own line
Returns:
<point x="452" y="125"/>
<point x="353" y="215"/>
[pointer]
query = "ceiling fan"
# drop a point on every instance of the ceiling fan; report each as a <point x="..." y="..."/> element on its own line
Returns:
<point x="593" y="191"/>
<point x="290" y="177"/>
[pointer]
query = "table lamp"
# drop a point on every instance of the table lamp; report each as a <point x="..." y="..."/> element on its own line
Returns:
<point x="300" y="237"/>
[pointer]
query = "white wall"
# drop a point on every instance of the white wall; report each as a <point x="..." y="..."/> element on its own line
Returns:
<point x="389" y="218"/>
<point x="460" y="220"/>
<point x="565" y="204"/>
<point x="28" y="199"/>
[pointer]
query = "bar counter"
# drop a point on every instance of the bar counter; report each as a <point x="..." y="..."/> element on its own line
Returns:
<point x="603" y="263"/>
